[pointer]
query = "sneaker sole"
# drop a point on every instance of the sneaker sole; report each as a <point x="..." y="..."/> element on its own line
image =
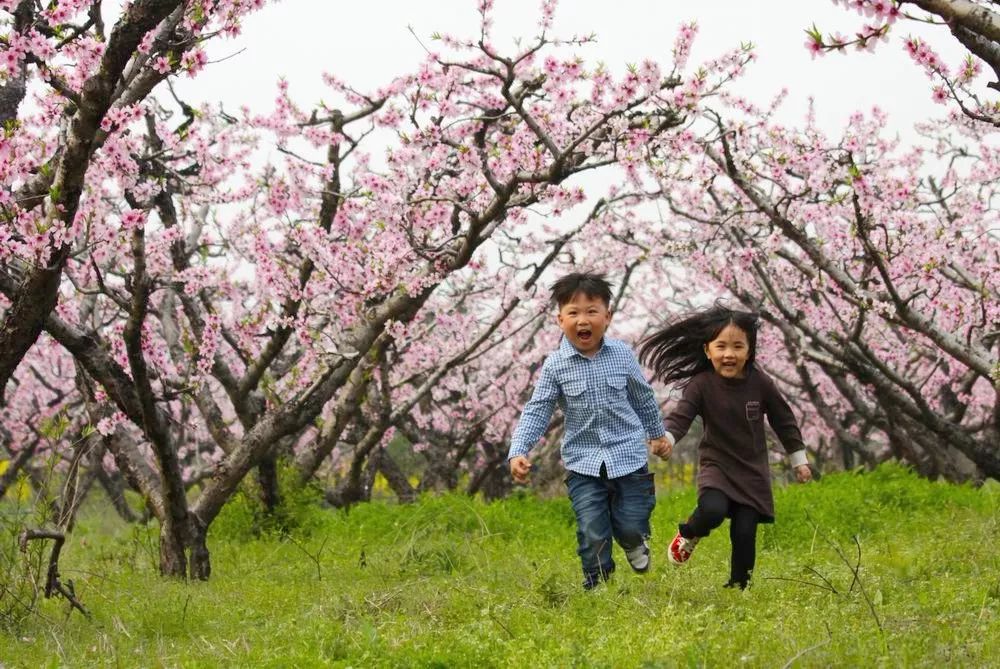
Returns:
<point x="674" y="561"/>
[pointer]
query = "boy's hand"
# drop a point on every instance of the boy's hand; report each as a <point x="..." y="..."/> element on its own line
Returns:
<point x="520" y="466"/>
<point x="803" y="473"/>
<point x="661" y="447"/>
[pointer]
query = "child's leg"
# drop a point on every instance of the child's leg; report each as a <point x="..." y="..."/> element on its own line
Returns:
<point x="712" y="509"/>
<point x="590" y="496"/>
<point x="743" y="535"/>
<point x="632" y="501"/>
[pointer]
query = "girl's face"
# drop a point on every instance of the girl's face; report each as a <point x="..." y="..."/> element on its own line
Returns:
<point x="729" y="352"/>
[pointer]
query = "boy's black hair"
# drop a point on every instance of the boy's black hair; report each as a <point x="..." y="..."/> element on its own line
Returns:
<point x="590" y="284"/>
<point x="677" y="351"/>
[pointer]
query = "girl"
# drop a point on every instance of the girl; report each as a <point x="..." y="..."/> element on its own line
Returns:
<point x="712" y="353"/>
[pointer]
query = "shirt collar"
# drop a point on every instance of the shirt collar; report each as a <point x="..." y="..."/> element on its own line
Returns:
<point x="567" y="350"/>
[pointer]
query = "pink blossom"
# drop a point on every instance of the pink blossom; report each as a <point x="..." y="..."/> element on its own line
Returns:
<point x="161" y="64"/>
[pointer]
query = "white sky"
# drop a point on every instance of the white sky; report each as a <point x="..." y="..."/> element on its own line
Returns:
<point x="365" y="43"/>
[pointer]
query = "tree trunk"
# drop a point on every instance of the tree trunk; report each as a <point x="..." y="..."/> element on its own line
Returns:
<point x="267" y="478"/>
<point x="493" y="480"/>
<point x="346" y="493"/>
<point x="396" y="478"/>
<point x="440" y="474"/>
<point x="368" y="478"/>
<point x="173" y="559"/>
<point x="201" y="564"/>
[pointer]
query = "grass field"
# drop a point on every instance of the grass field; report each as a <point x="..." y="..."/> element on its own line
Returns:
<point x="454" y="582"/>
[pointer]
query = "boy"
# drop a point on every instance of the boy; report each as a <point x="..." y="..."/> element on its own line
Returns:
<point x="609" y="411"/>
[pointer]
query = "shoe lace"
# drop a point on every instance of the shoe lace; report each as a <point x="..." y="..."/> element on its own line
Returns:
<point x="687" y="545"/>
<point x="636" y="553"/>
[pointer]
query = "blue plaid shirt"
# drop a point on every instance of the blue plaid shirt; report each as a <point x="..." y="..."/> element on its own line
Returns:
<point x="608" y="406"/>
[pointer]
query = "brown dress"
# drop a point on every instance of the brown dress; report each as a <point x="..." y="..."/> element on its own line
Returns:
<point x="732" y="455"/>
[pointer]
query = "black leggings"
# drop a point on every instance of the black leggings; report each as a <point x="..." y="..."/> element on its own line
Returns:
<point x="714" y="507"/>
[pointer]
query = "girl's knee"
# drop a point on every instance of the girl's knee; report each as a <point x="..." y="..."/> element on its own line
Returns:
<point x="713" y="505"/>
<point x="712" y="511"/>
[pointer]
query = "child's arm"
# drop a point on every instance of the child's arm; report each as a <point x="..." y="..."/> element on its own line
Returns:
<point x="643" y="400"/>
<point x="680" y="419"/>
<point x="782" y="421"/>
<point x="533" y="423"/>
<point x="688" y="408"/>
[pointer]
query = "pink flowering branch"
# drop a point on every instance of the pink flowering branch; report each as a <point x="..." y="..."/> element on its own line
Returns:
<point x="892" y="326"/>
<point x="975" y="24"/>
<point x="118" y="78"/>
<point x="278" y="311"/>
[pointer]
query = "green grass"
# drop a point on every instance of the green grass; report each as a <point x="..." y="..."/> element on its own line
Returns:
<point x="456" y="582"/>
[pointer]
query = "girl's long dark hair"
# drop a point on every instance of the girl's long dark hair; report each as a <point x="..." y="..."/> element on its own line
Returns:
<point x="677" y="351"/>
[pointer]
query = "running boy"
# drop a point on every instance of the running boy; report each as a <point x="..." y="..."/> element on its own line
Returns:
<point x="610" y="412"/>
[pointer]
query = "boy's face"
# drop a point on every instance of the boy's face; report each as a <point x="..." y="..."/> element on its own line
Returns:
<point x="583" y="320"/>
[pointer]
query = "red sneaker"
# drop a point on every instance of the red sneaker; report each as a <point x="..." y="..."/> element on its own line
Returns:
<point x="680" y="549"/>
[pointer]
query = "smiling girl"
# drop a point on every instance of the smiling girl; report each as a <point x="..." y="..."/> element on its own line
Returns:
<point x="711" y="353"/>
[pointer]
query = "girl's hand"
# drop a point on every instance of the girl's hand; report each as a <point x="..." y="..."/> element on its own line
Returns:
<point x="803" y="473"/>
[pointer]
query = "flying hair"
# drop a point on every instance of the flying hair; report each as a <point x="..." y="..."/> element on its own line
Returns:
<point x="677" y="351"/>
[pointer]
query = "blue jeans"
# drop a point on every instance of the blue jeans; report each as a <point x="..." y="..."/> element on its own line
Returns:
<point x="607" y="508"/>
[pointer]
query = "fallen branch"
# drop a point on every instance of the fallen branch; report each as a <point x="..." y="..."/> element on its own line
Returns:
<point x="52" y="582"/>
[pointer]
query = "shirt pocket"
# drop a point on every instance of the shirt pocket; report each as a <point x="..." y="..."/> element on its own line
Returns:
<point x="616" y="389"/>
<point x="755" y="419"/>
<point x="576" y="394"/>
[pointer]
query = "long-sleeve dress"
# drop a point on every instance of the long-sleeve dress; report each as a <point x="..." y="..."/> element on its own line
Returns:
<point x="732" y="455"/>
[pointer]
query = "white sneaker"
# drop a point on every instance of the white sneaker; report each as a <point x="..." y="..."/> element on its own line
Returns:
<point x="638" y="558"/>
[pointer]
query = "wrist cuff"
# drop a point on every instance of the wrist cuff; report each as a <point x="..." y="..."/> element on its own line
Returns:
<point x="798" y="458"/>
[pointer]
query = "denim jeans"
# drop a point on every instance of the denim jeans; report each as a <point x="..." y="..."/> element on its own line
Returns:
<point x="606" y="508"/>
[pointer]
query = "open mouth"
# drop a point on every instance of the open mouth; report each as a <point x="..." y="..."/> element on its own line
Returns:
<point x="584" y="335"/>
